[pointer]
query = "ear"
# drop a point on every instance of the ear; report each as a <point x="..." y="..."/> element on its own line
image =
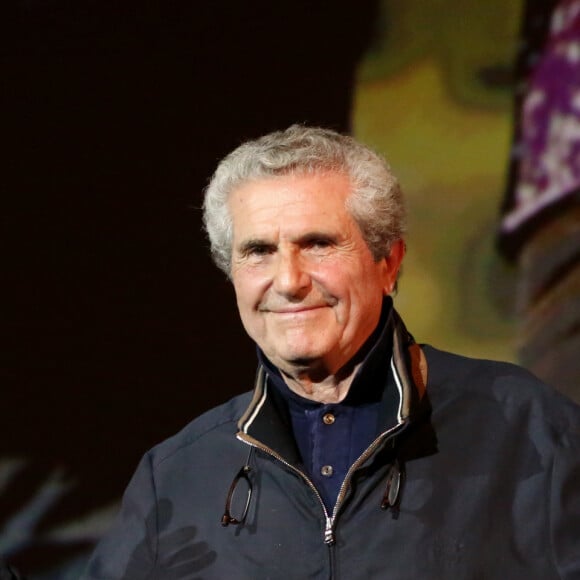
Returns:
<point x="393" y="265"/>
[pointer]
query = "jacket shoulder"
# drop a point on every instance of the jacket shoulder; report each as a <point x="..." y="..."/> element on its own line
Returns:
<point x="512" y="388"/>
<point x="220" y="419"/>
<point x="448" y="368"/>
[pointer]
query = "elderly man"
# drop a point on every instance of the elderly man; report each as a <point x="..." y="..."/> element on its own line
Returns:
<point x="359" y="454"/>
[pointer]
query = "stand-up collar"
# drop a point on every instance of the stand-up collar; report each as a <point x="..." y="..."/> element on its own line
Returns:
<point x="266" y="423"/>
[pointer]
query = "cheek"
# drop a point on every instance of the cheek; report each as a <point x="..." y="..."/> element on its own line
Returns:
<point x="330" y="276"/>
<point x="249" y="292"/>
<point x="363" y="300"/>
<point x="340" y="283"/>
<point x="242" y="292"/>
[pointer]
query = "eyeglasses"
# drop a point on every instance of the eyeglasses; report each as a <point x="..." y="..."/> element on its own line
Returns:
<point x="227" y="518"/>
<point x="392" y="496"/>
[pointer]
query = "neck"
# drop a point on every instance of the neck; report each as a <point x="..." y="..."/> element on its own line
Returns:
<point x="319" y="386"/>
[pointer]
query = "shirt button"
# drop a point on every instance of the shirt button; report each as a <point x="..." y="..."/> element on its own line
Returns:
<point x="327" y="470"/>
<point x="328" y="418"/>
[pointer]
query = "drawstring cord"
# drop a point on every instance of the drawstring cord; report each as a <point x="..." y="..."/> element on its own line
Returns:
<point x="227" y="518"/>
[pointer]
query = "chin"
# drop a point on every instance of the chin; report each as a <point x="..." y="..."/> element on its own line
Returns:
<point x="301" y="359"/>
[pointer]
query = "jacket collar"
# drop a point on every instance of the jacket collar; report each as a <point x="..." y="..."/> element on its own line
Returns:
<point x="266" y="423"/>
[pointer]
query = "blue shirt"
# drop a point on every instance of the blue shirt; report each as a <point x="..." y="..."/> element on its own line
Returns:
<point x="331" y="437"/>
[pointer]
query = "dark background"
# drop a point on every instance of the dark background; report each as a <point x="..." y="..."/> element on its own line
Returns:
<point x="118" y="328"/>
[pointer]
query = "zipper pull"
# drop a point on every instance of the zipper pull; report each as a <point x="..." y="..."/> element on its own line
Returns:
<point x="329" y="533"/>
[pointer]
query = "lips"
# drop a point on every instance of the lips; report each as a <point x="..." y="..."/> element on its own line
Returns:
<point x="293" y="309"/>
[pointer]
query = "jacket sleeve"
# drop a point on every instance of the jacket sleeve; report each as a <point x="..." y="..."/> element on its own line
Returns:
<point x="128" y="550"/>
<point x="565" y="508"/>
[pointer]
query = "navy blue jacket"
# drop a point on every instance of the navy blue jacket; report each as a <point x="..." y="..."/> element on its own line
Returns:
<point x="475" y="477"/>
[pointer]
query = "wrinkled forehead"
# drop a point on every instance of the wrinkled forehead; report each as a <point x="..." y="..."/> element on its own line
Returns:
<point x="290" y="204"/>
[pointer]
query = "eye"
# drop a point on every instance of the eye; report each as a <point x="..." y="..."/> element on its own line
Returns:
<point x="261" y="250"/>
<point x="257" y="250"/>
<point x="319" y="243"/>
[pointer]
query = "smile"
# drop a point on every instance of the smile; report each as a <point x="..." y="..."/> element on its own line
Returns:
<point x="297" y="310"/>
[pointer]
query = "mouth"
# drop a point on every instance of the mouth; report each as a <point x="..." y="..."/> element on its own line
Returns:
<point x="295" y="309"/>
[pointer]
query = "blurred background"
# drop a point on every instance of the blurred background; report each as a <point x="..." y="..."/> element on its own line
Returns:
<point x="116" y="324"/>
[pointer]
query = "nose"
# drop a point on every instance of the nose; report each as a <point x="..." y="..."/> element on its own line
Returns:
<point x="291" y="278"/>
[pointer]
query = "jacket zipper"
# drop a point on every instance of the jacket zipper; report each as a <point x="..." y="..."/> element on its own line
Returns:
<point x="363" y="457"/>
<point x="329" y="528"/>
<point x="254" y="443"/>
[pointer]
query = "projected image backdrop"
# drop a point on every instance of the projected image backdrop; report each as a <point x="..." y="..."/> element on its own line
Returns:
<point x="434" y="95"/>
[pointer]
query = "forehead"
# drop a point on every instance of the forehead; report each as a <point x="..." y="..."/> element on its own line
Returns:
<point x="318" y="196"/>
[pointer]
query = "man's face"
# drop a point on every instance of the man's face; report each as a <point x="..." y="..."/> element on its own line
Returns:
<point x="308" y="290"/>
